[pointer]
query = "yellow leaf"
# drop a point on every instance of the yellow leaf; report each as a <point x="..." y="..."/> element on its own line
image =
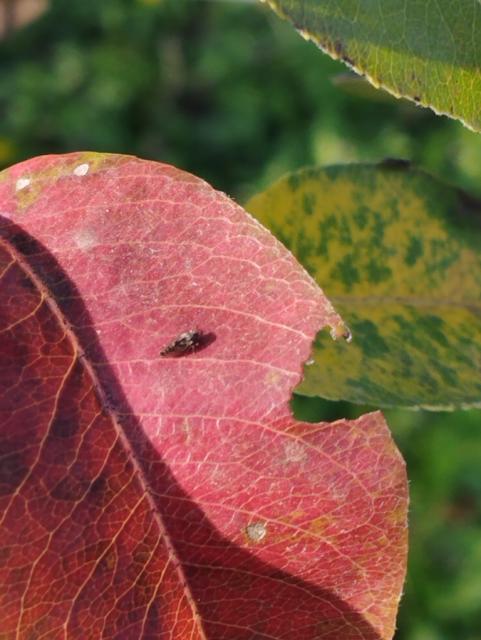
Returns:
<point x="399" y="255"/>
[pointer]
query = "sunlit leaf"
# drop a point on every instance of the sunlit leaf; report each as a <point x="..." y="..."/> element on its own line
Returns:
<point x="153" y="483"/>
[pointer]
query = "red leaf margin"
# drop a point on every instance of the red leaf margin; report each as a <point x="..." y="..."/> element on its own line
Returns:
<point x="150" y="497"/>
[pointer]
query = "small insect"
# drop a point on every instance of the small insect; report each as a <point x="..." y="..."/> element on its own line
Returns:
<point x="184" y="343"/>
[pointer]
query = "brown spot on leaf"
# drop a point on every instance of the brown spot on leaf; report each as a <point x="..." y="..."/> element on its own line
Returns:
<point x="339" y="48"/>
<point x="341" y="52"/>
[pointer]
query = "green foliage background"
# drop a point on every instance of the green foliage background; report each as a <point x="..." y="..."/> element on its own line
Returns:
<point x="226" y="90"/>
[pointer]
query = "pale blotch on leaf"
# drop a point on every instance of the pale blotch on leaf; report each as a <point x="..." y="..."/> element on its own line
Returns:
<point x="294" y="451"/>
<point x="273" y="378"/>
<point x="256" y="531"/>
<point x="22" y="183"/>
<point x="85" y="239"/>
<point x="81" y="170"/>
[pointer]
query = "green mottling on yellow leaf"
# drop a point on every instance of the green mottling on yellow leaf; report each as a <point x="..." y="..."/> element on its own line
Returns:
<point x="399" y="255"/>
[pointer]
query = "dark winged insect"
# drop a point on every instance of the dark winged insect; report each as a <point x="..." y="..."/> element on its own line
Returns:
<point x="184" y="343"/>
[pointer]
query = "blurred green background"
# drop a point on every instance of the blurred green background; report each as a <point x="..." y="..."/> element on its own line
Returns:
<point x="224" y="89"/>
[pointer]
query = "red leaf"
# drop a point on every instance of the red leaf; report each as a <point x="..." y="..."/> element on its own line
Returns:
<point x="146" y="496"/>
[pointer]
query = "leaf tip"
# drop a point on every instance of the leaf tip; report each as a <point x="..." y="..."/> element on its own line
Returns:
<point x="341" y="330"/>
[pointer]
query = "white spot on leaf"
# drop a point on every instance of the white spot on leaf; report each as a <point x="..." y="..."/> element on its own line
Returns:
<point x="81" y="170"/>
<point x="256" y="531"/>
<point x="22" y="183"/>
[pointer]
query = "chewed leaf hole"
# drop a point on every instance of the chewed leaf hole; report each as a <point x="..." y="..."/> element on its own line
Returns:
<point x="317" y="409"/>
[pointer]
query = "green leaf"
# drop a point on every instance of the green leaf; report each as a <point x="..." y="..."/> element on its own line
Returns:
<point x="429" y="52"/>
<point x="399" y="255"/>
